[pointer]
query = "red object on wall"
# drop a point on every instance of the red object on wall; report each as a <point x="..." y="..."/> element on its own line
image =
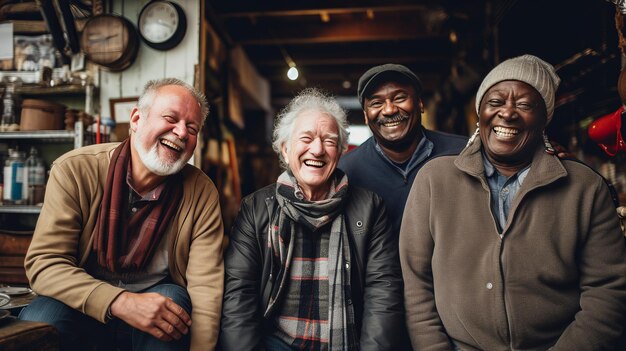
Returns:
<point x="607" y="131"/>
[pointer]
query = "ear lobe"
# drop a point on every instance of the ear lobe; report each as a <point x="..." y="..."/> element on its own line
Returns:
<point x="134" y="118"/>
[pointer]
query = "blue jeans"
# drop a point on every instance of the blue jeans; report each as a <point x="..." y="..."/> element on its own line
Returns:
<point x="273" y="343"/>
<point x="77" y="329"/>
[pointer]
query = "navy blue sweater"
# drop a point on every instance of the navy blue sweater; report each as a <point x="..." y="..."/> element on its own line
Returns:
<point x="367" y="168"/>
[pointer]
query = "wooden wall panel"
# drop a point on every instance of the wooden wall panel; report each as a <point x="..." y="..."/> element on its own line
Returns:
<point x="178" y="62"/>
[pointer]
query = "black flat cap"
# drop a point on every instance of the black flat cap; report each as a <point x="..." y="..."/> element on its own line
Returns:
<point x="378" y="73"/>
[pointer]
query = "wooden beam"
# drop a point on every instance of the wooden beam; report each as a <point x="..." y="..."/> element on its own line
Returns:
<point x="278" y="8"/>
<point x="345" y="30"/>
<point x="26" y="10"/>
<point x="286" y="88"/>
<point x="29" y="27"/>
<point x="364" y="53"/>
<point x="318" y="11"/>
<point x="346" y="71"/>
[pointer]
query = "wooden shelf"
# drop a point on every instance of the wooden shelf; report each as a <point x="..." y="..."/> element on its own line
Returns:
<point x="43" y="90"/>
<point x="55" y="90"/>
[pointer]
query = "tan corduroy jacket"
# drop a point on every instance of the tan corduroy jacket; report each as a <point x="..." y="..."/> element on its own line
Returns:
<point x="63" y="239"/>
<point x="555" y="280"/>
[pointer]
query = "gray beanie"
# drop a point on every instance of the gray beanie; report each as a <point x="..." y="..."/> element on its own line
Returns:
<point x="528" y="69"/>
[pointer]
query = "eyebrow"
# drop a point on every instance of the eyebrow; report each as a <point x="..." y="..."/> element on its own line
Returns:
<point x="326" y="136"/>
<point x="394" y="91"/>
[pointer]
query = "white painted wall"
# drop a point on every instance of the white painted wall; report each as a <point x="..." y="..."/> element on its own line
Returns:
<point x="178" y="62"/>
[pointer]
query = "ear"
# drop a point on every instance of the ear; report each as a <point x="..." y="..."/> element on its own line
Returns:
<point x="365" y="117"/>
<point x="134" y="118"/>
<point x="421" y="105"/>
<point x="283" y="151"/>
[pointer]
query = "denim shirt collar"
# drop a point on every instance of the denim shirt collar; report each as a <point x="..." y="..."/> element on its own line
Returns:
<point x="490" y="170"/>
<point x="422" y="152"/>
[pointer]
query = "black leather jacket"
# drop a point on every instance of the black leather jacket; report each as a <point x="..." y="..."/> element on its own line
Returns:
<point x="377" y="289"/>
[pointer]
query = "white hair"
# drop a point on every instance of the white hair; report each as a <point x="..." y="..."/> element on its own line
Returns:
<point x="308" y="99"/>
<point x="149" y="92"/>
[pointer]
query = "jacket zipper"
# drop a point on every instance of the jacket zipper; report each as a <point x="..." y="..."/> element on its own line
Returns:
<point x="501" y="237"/>
<point x="506" y="309"/>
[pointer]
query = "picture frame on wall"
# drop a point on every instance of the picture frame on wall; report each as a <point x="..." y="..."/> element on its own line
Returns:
<point x="121" y="107"/>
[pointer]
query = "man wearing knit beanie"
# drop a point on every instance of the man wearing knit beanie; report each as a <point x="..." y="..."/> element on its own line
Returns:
<point x="507" y="247"/>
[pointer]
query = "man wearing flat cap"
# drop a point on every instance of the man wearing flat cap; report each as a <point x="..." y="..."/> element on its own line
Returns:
<point x="387" y="163"/>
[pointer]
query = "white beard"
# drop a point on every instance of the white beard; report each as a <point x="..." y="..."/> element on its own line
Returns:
<point x="154" y="163"/>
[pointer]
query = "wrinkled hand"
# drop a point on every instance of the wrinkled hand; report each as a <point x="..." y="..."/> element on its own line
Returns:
<point x="152" y="313"/>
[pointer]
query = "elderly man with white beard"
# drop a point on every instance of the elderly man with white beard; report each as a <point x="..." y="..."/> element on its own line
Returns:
<point x="127" y="251"/>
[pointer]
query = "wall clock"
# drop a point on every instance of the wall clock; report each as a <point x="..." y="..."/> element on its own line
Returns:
<point x="110" y="41"/>
<point x="162" y="24"/>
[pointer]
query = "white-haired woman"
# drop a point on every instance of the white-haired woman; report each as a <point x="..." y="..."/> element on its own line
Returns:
<point x="311" y="263"/>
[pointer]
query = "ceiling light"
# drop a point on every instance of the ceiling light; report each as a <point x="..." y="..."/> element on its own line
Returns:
<point x="292" y="73"/>
<point x="453" y="37"/>
<point x="346" y="84"/>
<point x="325" y="16"/>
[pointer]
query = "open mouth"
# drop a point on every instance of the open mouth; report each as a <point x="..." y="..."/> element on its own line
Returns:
<point x="314" y="163"/>
<point x="505" y="132"/>
<point x="171" y="145"/>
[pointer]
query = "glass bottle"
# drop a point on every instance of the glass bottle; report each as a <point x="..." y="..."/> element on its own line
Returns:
<point x="14" y="178"/>
<point x="35" y="172"/>
<point x="10" y="105"/>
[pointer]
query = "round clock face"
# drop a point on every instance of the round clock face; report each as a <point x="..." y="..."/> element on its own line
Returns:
<point x="162" y="24"/>
<point x="110" y="41"/>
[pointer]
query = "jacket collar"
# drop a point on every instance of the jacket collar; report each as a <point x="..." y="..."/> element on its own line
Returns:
<point x="544" y="168"/>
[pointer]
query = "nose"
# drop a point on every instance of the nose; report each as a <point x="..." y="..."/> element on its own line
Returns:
<point x="180" y="129"/>
<point x="389" y="108"/>
<point x="317" y="147"/>
<point x="507" y="111"/>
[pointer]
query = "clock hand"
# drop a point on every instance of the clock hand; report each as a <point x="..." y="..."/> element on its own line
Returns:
<point x="163" y="23"/>
<point x="99" y="38"/>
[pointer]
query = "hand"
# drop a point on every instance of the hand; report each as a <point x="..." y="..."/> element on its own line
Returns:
<point x="152" y="313"/>
<point x="562" y="152"/>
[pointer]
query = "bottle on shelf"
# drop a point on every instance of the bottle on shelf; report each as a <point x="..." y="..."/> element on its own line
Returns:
<point x="2" y="183"/>
<point x="10" y="105"/>
<point x="35" y="174"/>
<point x="14" y="191"/>
<point x="4" y="154"/>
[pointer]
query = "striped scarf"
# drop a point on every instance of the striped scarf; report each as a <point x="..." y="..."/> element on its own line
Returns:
<point x="123" y="244"/>
<point x="296" y="213"/>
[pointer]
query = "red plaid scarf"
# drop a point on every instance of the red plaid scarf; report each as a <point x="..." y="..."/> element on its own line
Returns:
<point x="123" y="244"/>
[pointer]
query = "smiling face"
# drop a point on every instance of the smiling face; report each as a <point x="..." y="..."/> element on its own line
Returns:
<point x="312" y="152"/>
<point x="512" y="119"/>
<point x="164" y="139"/>
<point x="393" y="112"/>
